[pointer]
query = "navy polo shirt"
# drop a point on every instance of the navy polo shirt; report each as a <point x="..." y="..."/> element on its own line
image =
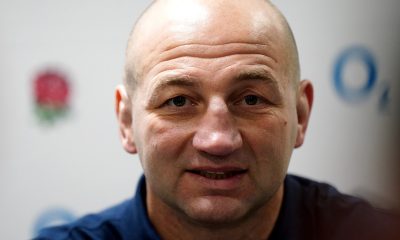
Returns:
<point x="310" y="210"/>
<point x="127" y="220"/>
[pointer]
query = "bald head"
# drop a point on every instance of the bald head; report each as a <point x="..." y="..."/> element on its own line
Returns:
<point x="167" y="24"/>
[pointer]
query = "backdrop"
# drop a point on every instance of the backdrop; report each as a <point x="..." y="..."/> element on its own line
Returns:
<point x="60" y="155"/>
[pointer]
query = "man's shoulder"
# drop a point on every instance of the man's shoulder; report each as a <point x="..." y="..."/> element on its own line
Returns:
<point x="326" y="202"/>
<point x="127" y="220"/>
<point x="319" y="209"/>
<point x="102" y="225"/>
<point x="321" y="195"/>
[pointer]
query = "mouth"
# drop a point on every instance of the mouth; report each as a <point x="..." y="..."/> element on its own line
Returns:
<point x="218" y="175"/>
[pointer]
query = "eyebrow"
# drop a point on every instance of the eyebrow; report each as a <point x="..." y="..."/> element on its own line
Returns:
<point x="186" y="81"/>
<point x="256" y="75"/>
<point x="175" y="81"/>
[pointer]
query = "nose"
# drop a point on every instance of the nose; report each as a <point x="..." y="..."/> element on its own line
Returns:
<point x="217" y="133"/>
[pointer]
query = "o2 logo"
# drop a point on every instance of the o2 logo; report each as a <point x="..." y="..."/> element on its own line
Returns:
<point x="52" y="217"/>
<point x="366" y="84"/>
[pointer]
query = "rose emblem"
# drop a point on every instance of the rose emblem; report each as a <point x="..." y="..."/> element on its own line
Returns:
<point x="51" y="92"/>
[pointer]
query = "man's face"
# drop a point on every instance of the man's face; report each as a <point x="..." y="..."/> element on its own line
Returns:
<point x="214" y="117"/>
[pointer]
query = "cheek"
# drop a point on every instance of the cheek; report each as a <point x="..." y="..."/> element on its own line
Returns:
<point x="271" y="141"/>
<point x="162" y="143"/>
<point x="273" y="131"/>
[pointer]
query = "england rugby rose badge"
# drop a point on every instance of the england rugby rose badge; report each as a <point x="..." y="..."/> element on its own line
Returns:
<point x="52" y="93"/>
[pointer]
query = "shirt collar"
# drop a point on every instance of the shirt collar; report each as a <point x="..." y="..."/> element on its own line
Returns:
<point x="137" y="224"/>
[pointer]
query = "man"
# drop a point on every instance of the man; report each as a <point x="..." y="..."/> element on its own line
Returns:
<point x="213" y="105"/>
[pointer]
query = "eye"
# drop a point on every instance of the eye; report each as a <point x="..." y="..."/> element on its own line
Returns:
<point x="251" y="99"/>
<point x="178" y="101"/>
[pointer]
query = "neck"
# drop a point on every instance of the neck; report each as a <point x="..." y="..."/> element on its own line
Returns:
<point x="172" y="225"/>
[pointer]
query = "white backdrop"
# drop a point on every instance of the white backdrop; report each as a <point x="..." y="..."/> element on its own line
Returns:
<point x="55" y="171"/>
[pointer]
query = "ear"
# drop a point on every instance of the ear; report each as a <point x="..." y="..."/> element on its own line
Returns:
<point x="123" y="108"/>
<point x="305" y="99"/>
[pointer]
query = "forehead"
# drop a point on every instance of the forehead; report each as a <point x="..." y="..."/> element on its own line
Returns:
<point x="205" y="27"/>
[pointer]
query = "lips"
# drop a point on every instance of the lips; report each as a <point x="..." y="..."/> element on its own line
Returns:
<point x="218" y="174"/>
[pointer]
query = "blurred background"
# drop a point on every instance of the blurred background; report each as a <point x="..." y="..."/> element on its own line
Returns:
<point x="60" y="155"/>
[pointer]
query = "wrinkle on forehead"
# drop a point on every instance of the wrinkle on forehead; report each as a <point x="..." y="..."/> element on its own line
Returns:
<point x="258" y="53"/>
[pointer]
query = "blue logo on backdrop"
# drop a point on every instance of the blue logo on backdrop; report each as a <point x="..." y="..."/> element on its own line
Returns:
<point x="363" y="56"/>
<point x="343" y="86"/>
<point x="51" y="217"/>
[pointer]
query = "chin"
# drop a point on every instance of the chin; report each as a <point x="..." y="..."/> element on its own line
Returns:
<point x="214" y="211"/>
